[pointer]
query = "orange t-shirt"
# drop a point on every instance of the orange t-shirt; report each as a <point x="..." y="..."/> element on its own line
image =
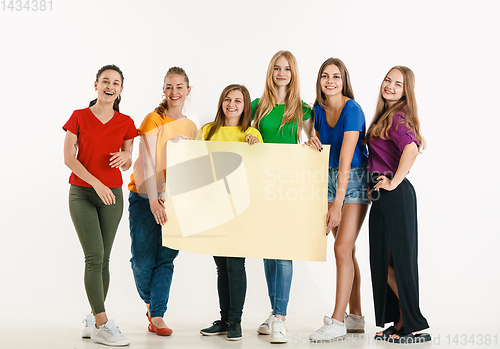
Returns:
<point x="163" y="129"/>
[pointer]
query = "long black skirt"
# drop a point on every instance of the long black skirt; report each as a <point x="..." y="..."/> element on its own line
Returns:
<point x="393" y="224"/>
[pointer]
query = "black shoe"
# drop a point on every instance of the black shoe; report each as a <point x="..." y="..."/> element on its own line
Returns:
<point x="234" y="331"/>
<point x="218" y="327"/>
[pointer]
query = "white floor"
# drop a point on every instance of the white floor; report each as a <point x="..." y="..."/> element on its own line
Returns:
<point x="42" y="335"/>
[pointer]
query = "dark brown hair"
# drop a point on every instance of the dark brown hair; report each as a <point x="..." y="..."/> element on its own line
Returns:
<point x="346" y="81"/>
<point x="116" y="104"/>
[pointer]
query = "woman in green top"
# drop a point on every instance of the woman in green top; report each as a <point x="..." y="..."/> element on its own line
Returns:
<point x="280" y="116"/>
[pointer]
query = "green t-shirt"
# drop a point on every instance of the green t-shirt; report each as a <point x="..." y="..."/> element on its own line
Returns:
<point x="270" y="124"/>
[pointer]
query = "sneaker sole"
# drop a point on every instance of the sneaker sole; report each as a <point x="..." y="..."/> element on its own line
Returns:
<point x="104" y="342"/>
<point x="328" y="340"/>
<point x="356" y="331"/>
<point x="234" y="338"/>
<point x="212" y="333"/>
<point x="279" y="340"/>
<point x="263" y="332"/>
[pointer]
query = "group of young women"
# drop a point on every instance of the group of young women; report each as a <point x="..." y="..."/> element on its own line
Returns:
<point x="99" y="141"/>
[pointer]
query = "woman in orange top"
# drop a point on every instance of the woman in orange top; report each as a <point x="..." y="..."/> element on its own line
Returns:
<point x="152" y="263"/>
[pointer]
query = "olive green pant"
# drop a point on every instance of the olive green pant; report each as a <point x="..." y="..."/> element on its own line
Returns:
<point x="95" y="224"/>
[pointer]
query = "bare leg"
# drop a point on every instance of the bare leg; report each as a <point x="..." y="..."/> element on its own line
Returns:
<point x="391" y="281"/>
<point x="157" y="321"/>
<point x="100" y="319"/>
<point x="346" y="234"/>
<point x="355" y="299"/>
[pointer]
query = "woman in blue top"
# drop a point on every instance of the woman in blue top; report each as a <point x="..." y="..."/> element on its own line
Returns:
<point x="340" y="122"/>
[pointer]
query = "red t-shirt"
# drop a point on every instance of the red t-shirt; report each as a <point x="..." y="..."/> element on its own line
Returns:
<point x="95" y="143"/>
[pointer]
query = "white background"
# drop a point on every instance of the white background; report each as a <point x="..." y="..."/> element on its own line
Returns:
<point x="48" y="66"/>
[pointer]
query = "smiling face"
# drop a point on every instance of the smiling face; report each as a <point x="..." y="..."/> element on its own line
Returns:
<point x="392" y="88"/>
<point x="175" y="90"/>
<point x="282" y="74"/>
<point x="232" y="107"/>
<point x="108" y="86"/>
<point x="331" y="81"/>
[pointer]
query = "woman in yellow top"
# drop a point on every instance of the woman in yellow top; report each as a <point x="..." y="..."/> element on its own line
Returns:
<point x="152" y="263"/>
<point x="232" y="124"/>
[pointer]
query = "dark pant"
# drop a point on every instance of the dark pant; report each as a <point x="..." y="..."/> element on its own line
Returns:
<point x="152" y="263"/>
<point x="393" y="225"/>
<point x="232" y="287"/>
<point x="95" y="224"/>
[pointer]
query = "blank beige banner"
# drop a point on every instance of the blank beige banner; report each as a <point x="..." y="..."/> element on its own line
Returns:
<point x="261" y="201"/>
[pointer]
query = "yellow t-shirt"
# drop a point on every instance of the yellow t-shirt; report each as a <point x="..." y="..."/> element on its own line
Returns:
<point x="228" y="133"/>
<point x="163" y="129"/>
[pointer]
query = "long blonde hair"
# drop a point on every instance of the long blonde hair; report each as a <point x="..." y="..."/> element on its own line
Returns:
<point x="163" y="107"/>
<point x="293" y="103"/>
<point x="382" y="120"/>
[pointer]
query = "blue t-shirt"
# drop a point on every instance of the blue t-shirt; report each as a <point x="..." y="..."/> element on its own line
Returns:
<point x="351" y="118"/>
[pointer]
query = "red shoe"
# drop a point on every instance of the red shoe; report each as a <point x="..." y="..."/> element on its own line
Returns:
<point x="165" y="331"/>
<point x="149" y="319"/>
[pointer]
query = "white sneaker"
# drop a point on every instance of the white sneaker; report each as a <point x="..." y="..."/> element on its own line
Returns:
<point x="265" y="327"/>
<point x="329" y="332"/>
<point x="278" y="331"/>
<point x="89" y="322"/>
<point x="355" y="323"/>
<point x="109" y="334"/>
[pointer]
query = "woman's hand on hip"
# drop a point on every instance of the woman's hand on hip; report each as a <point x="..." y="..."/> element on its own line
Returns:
<point x="384" y="183"/>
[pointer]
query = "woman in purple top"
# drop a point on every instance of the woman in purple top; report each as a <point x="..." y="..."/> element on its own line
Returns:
<point x="340" y="122"/>
<point x="394" y="140"/>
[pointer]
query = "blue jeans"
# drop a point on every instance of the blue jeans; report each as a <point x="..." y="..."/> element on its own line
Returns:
<point x="279" y="281"/>
<point x="152" y="263"/>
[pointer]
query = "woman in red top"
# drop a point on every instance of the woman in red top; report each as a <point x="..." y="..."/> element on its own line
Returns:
<point x="98" y="141"/>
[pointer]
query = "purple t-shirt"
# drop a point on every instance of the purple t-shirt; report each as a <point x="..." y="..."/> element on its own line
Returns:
<point x="384" y="155"/>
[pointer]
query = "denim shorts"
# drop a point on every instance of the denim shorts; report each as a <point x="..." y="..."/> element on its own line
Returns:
<point x="356" y="188"/>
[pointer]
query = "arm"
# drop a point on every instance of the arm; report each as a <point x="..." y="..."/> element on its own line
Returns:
<point x="156" y="204"/>
<point x="346" y="153"/>
<point x="70" y="160"/>
<point x="408" y="157"/>
<point x="307" y="126"/>
<point x="122" y="158"/>
<point x="312" y="134"/>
